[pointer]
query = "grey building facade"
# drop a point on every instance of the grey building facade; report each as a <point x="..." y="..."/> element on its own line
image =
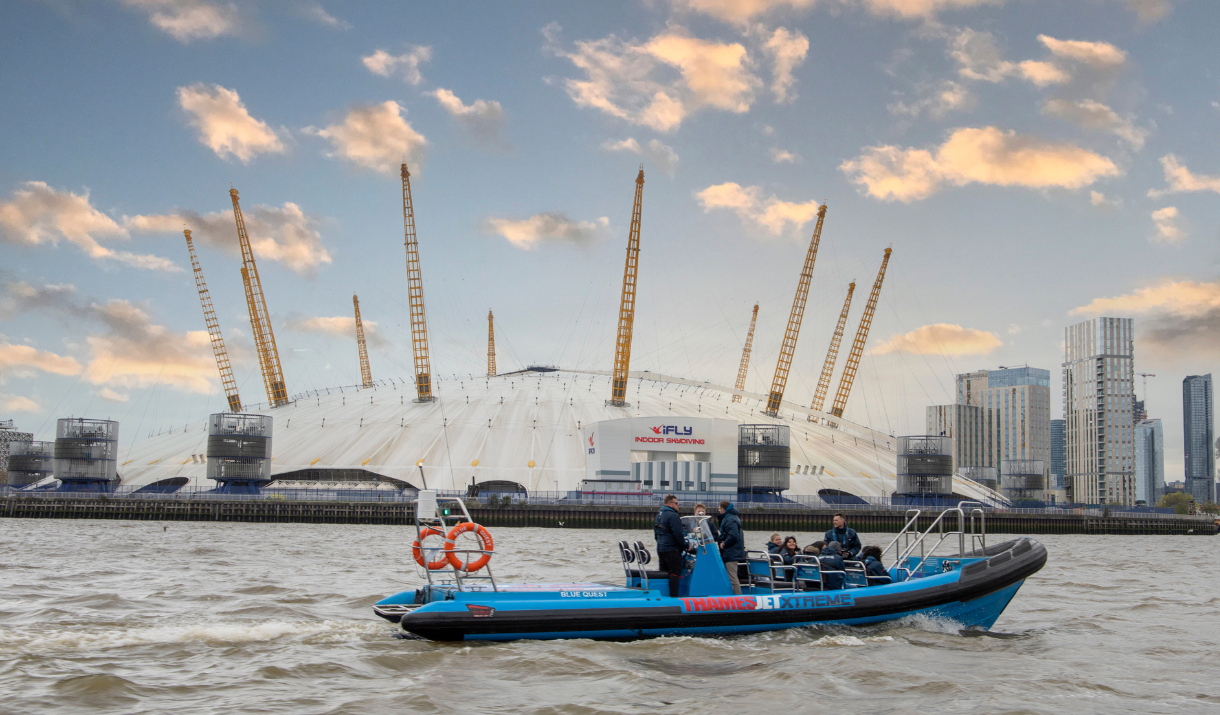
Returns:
<point x="1198" y="433"/>
<point x="1149" y="461"/>
<point x="1058" y="468"/>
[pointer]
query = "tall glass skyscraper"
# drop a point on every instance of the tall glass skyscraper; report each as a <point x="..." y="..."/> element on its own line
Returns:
<point x="1058" y="453"/>
<point x="1197" y="436"/>
<point x="1149" y="461"/>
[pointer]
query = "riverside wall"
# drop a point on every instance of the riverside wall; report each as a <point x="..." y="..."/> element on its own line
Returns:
<point x="570" y="516"/>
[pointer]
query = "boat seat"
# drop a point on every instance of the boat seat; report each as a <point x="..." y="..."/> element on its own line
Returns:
<point x="765" y="573"/>
<point x="808" y="573"/>
<point x="855" y="575"/>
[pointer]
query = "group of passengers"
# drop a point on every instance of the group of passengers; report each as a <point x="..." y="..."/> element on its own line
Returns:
<point x="839" y="544"/>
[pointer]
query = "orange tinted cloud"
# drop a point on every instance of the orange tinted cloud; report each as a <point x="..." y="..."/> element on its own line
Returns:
<point x="941" y="339"/>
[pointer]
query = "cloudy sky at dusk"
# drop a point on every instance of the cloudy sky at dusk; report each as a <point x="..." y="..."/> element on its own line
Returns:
<point x="1032" y="163"/>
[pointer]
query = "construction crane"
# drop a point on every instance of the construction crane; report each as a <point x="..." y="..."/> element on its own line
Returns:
<point x="209" y="317"/>
<point x="857" y="345"/>
<point x="776" y="396"/>
<point x="491" y="345"/>
<point x="366" y="375"/>
<point x="832" y="354"/>
<point x="745" y="356"/>
<point x="415" y="292"/>
<point x="260" y="319"/>
<point x="626" y="309"/>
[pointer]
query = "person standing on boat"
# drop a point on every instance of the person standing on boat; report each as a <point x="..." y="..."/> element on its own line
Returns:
<point x="846" y="536"/>
<point x="732" y="543"/>
<point x="671" y="541"/>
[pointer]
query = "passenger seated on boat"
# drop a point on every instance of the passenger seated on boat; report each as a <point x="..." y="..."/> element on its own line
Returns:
<point x="811" y="550"/>
<point x="774" y="544"/>
<point x="790" y="550"/>
<point x="831" y="561"/>
<point x="876" y="572"/>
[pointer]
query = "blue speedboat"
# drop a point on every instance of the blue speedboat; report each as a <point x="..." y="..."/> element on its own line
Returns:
<point x="462" y="601"/>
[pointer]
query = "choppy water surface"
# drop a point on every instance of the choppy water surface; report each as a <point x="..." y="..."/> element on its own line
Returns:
<point x="110" y="616"/>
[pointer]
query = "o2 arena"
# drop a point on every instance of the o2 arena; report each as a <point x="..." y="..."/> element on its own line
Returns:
<point x="542" y="430"/>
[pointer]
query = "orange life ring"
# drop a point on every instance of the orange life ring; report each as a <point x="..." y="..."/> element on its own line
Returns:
<point x="418" y="552"/>
<point x="484" y="537"/>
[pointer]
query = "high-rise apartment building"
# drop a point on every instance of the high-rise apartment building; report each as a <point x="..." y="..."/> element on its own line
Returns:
<point x="1098" y="390"/>
<point x="1058" y="454"/>
<point x="1197" y="436"/>
<point x="964" y="423"/>
<point x="1149" y="461"/>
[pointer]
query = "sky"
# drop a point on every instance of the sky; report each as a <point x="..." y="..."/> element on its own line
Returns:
<point x="1032" y="164"/>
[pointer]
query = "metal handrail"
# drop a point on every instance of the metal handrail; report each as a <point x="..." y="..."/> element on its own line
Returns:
<point x="905" y="530"/>
<point x="926" y="554"/>
<point x="458" y="578"/>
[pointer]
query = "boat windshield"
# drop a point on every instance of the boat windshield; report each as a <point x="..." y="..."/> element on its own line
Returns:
<point x="698" y="528"/>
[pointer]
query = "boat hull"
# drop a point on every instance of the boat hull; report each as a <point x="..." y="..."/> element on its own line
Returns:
<point x="973" y="595"/>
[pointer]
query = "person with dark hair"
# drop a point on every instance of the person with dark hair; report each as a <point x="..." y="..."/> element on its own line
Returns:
<point x="845" y="536"/>
<point x="812" y="549"/>
<point x="732" y="543"/>
<point x="790" y="550"/>
<point x="671" y="541"/>
<point x="877" y="573"/>
<point x="832" y="561"/>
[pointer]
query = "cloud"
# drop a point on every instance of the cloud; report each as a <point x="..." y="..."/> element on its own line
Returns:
<point x="318" y="14"/>
<point x="340" y="326"/>
<point x="948" y="96"/>
<point x="549" y="227"/>
<point x="285" y="234"/>
<point x="1100" y="55"/>
<point x="107" y="394"/>
<point x="38" y="214"/>
<point x="187" y="20"/>
<point x="1167" y="229"/>
<point x="739" y="12"/>
<point x="375" y="137"/>
<point x="771" y="214"/>
<point x="1177" y="176"/>
<point x="1149" y="11"/>
<point x="659" y="155"/>
<point x="18" y="403"/>
<point x="224" y="124"/>
<point x="1180" y="318"/>
<point x="916" y="9"/>
<point x="783" y="156"/>
<point x="979" y="58"/>
<point x="1092" y="114"/>
<point x="483" y="119"/>
<point x="406" y="65"/>
<point x="984" y="155"/>
<point x="25" y="359"/>
<point x="659" y="83"/>
<point x="787" y="50"/>
<point x="942" y="339"/>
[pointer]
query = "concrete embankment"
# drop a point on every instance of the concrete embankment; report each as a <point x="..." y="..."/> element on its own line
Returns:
<point x="572" y="516"/>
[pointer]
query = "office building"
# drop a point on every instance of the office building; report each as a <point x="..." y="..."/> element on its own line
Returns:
<point x="1098" y="397"/>
<point x="965" y="425"/>
<point x="1197" y="437"/>
<point x="1149" y="462"/>
<point x="1058" y="467"/>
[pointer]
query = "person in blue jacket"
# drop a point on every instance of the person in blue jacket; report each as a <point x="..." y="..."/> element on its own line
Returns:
<point x="774" y="544"/>
<point x="878" y="575"/>
<point x="671" y="541"/>
<point x="832" y="561"/>
<point x="732" y="543"/>
<point x="845" y="536"/>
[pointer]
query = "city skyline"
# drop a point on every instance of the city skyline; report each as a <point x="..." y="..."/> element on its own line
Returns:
<point x="1033" y="165"/>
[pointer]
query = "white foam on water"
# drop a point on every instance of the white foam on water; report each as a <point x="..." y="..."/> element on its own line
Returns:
<point x="33" y="641"/>
<point x="931" y="624"/>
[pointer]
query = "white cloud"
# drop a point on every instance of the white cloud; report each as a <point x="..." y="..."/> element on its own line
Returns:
<point x="187" y="20"/>
<point x="1167" y="228"/>
<point x="107" y="394"/>
<point x="984" y="155"/>
<point x="979" y="58"/>
<point x="739" y="12"/>
<point x="224" y="124"/>
<point x="1181" y="298"/>
<point x="942" y="339"/>
<point x="407" y="64"/>
<point x="25" y="359"/>
<point x="659" y="83"/>
<point x="375" y="137"/>
<point x="1100" y="55"/>
<point x="482" y="118"/>
<point x="318" y="14"/>
<point x="1149" y="11"/>
<point x="528" y="233"/>
<point x="916" y="9"/>
<point x="38" y="214"/>
<point x="18" y="403"/>
<point x="1097" y="198"/>
<point x="783" y="156"/>
<point x="339" y="326"/>
<point x="1092" y="114"/>
<point x="787" y="50"/>
<point x="285" y="234"/>
<point x="1180" y="179"/>
<point x="771" y="214"/>
<point x="948" y="96"/>
<point x="659" y="155"/>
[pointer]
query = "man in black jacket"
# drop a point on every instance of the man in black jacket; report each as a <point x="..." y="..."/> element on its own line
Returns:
<point x="671" y="541"/>
<point x="732" y="543"/>
<point x="845" y="536"/>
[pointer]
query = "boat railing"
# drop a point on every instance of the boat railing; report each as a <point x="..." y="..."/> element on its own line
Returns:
<point x="443" y="520"/>
<point x="976" y="530"/>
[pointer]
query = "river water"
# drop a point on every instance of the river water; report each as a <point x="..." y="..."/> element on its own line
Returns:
<point x="132" y="617"/>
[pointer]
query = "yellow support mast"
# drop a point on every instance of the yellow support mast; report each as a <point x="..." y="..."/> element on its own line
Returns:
<point x="786" y="351"/>
<point x="832" y="354"/>
<point x="366" y="375"/>
<point x="260" y="319"/>
<point x="491" y="345"/>
<point x="626" y="310"/>
<point x="857" y="346"/>
<point x="415" y="293"/>
<point x="745" y="356"/>
<point x="218" y="343"/>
